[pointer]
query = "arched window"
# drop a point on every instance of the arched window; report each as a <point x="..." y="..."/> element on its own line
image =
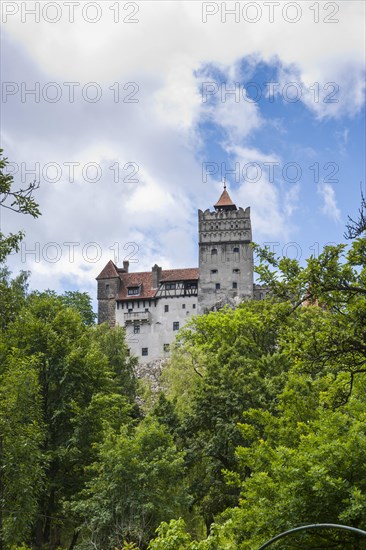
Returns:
<point x="236" y="249"/>
<point x="213" y="251"/>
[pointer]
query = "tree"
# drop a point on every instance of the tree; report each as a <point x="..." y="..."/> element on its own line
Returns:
<point x="233" y="356"/>
<point x="302" y="462"/>
<point x="12" y="295"/>
<point x="21" y="437"/>
<point x="355" y="228"/>
<point x="279" y="411"/>
<point x="81" y="301"/>
<point x="20" y="200"/>
<point x="137" y="484"/>
<point x="81" y="386"/>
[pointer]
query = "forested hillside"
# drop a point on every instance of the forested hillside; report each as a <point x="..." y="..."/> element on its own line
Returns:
<point x="259" y="425"/>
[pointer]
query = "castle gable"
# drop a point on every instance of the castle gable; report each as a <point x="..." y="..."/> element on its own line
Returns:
<point x="110" y="271"/>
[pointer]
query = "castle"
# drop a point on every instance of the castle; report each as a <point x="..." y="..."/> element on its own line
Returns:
<point x="154" y="305"/>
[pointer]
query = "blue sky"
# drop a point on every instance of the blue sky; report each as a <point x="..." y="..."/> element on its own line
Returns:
<point x="122" y="175"/>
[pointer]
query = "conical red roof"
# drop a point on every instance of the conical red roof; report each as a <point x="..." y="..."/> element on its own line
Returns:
<point x="225" y="200"/>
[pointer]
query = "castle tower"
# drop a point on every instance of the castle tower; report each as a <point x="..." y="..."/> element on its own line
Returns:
<point x="225" y="257"/>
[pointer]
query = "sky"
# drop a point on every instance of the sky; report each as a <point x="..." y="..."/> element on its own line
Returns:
<point x="130" y="115"/>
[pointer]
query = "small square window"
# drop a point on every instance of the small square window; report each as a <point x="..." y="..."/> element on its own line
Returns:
<point x="213" y="271"/>
<point x="130" y="310"/>
<point x="136" y="329"/>
<point x="166" y="309"/>
<point x="235" y="284"/>
<point x="146" y="310"/>
<point x="217" y="286"/>
<point x="236" y="270"/>
<point x="176" y="325"/>
<point x="166" y="347"/>
<point x="145" y="351"/>
<point x="183" y="306"/>
<point x="194" y="306"/>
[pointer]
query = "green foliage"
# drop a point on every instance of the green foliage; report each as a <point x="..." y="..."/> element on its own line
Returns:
<point x="83" y="387"/>
<point x="233" y="356"/>
<point x="174" y="536"/>
<point x="12" y="295"/>
<point x="137" y="484"/>
<point x="20" y="200"/>
<point x="21" y="436"/>
<point x="279" y="395"/>
<point x="81" y="301"/>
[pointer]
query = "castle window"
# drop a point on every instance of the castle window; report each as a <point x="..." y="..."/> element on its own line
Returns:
<point x="166" y="309"/>
<point x="130" y="310"/>
<point x="191" y="285"/>
<point x="176" y="325"/>
<point x="146" y="310"/>
<point x="217" y="286"/>
<point x="170" y="286"/>
<point x="107" y="287"/>
<point x="133" y="290"/>
<point x="194" y="306"/>
<point x="183" y="306"/>
<point x="213" y="251"/>
<point x="236" y="249"/>
<point x="235" y="284"/>
<point x="166" y="347"/>
<point x="128" y="352"/>
<point x="145" y="351"/>
<point x="213" y="271"/>
<point x="236" y="270"/>
<point x="136" y="329"/>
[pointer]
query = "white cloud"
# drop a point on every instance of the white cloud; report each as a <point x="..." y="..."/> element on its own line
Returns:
<point x="329" y="207"/>
<point x="259" y="191"/>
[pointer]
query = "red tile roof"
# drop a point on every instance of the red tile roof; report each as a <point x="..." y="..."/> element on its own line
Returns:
<point x="144" y="279"/>
<point x="109" y="272"/>
<point x="224" y="200"/>
<point x="186" y="274"/>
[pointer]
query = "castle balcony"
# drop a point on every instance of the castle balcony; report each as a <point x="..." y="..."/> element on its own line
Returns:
<point x="138" y="316"/>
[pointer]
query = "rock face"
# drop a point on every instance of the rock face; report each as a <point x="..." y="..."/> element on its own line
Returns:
<point x="151" y="372"/>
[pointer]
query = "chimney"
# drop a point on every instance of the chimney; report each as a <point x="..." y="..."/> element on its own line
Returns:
<point x="156" y="275"/>
<point x="125" y="266"/>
